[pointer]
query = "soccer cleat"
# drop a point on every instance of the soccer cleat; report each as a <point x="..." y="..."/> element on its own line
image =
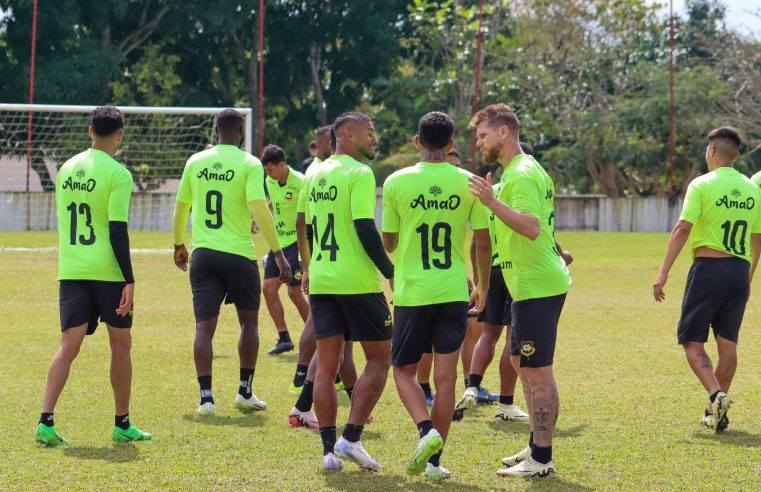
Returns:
<point x="528" y="468"/>
<point x="523" y="455"/>
<point x="353" y="451"/>
<point x="281" y="347"/>
<point x="297" y="418"/>
<point x="331" y="462"/>
<point x="132" y="433"/>
<point x="295" y="390"/>
<point x="707" y="420"/>
<point x="486" y="396"/>
<point x="720" y="408"/>
<point x="427" y="446"/>
<point x="429" y="399"/>
<point x="247" y="405"/>
<point x="205" y="409"/>
<point x="435" y="473"/>
<point x="49" y="436"/>
<point x="511" y="413"/>
<point x="723" y="424"/>
<point x="467" y="402"/>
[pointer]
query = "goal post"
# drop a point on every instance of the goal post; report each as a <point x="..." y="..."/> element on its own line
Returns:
<point x="157" y="142"/>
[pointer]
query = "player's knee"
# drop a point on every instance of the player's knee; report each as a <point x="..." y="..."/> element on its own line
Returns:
<point x="121" y="343"/>
<point x="294" y="293"/>
<point x="270" y="287"/>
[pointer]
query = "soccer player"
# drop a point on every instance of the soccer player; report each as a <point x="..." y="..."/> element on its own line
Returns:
<point x="283" y="185"/>
<point x="426" y="211"/>
<point x="721" y="215"/>
<point x="94" y="269"/>
<point x="224" y="185"/>
<point x="534" y="271"/>
<point x="345" y="293"/>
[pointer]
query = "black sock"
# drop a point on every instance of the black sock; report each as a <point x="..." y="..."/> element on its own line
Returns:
<point x="506" y="400"/>
<point x="300" y="376"/>
<point x="531" y="440"/>
<point x="283" y="336"/>
<point x="47" y="419"/>
<point x="338" y="379"/>
<point x="713" y="396"/>
<point x="349" y="391"/>
<point x="205" y="383"/>
<point x="541" y="454"/>
<point x="426" y="389"/>
<point x="435" y="459"/>
<point x="122" y="421"/>
<point x="475" y="380"/>
<point x="466" y="383"/>
<point x="424" y="427"/>
<point x="352" y="432"/>
<point x="328" y="436"/>
<point x="246" y="379"/>
<point x="706" y="413"/>
<point x="304" y="403"/>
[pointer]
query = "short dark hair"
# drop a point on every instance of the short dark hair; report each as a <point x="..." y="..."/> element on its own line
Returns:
<point x="435" y="130"/>
<point x="321" y="131"/>
<point x="727" y="141"/>
<point x="312" y="145"/>
<point x="106" y="120"/>
<point x="499" y="113"/>
<point x="229" y="119"/>
<point x="272" y="154"/>
<point x="526" y="148"/>
<point x="351" y="116"/>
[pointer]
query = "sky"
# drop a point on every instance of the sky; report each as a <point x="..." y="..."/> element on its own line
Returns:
<point x="739" y="14"/>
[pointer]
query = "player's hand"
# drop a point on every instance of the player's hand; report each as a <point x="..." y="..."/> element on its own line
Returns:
<point x="482" y="188"/>
<point x="181" y="257"/>
<point x="478" y="299"/>
<point x="305" y="282"/>
<point x="254" y="227"/>
<point x="125" y="304"/>
<point x="660" y="282"/>
<point x="283" y="266"/>
<point x="567" y="257"/>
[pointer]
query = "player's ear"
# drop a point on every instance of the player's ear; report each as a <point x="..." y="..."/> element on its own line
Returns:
<point x="417" y="142"/>
<point x="449" y="147"/>
<point x="119" y="135"/>
<point x="90" y="132"/>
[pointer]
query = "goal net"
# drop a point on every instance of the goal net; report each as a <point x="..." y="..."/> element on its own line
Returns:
<point x="35" y="140"/>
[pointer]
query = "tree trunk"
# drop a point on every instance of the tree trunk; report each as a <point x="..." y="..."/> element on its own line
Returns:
<point x="315" y="60"/>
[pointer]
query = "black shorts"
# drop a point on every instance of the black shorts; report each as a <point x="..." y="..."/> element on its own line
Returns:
<point x="535" y="329"/>
<point x="419" y="329"/>
<point x="358" y="317"/>
<point x="715" y="296"/>
<point x="84" y="301"/>
<point x="216" y="276"/>
<point x="498" y="301"/>
<point x="291" y="254"/>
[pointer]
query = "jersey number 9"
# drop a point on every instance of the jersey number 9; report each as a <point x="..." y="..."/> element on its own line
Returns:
<point x="214" y="209"/>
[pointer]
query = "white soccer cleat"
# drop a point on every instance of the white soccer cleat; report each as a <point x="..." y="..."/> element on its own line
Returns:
<point x="720" y="408"/>
<point x="707" y="421"/>
<point x="353" y="451"/>
<point x="528" y="468"/>
<point x="207" y="408"/>
<point x="297" y="418"/>
<point x="436" y="473"/>
<point x="511" y="413"/>
<point x="469" y="400"/>
<point x="249" y="404"/>
<point x="523" y="455"/>
<point x="331" y="462"/>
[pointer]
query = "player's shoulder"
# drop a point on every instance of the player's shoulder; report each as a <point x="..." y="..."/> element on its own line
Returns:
<point x="250" y="159"/>
<point x="756" y="178"/>
<point x="201" y="156"/>
<point x="84" y="156"/>
<point x="403" y="175"/>
<point x="299" y="176"/>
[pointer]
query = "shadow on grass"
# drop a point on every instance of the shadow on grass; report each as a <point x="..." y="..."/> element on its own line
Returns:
<point x="513" y="427"/>
<point x="360" y="480"/>
<point x="118" y="453"/>
<point x="732" y="437"/>
<point x="553" y="482"/>
<point x="244" y="420"/>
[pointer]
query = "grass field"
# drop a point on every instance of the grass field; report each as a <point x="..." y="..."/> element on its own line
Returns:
<point x="630" y="407"/>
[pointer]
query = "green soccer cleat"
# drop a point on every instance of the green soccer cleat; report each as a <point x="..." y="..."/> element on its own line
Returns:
<point x="295" y="390"/>
<point x="428" y="445"/>
<point x="131" y="434"/>
<point x="49" y="436"/>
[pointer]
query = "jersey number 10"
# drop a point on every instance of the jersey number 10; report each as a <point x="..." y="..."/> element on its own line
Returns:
<point x="730" y="236"/>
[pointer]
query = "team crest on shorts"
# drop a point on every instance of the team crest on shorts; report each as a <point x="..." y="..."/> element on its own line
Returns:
<point x="297" y="275"/>
<point x="388" y="320"/>
<point x="527" y="349"/>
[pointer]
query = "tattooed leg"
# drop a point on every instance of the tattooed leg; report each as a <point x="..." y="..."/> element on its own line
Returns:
<point x="701" y="365"/>
<point x="545" y="404"/>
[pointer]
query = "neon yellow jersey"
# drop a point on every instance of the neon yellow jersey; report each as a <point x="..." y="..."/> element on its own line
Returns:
<point x="302" y="202"/>
<point x="757" y="178"/>
<point x="430" y="205"/>
<point x="532" y="269"/>
<point x="218" y="183"/>
<point x="340" y="191"/>
<point x="92" y="189"/>
<point x="724" y="207"/>
<point x="284" y="199"/>
<point x="493" y="230"/>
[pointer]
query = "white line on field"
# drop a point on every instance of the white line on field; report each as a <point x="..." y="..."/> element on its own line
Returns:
<point x="52" y="249"/>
